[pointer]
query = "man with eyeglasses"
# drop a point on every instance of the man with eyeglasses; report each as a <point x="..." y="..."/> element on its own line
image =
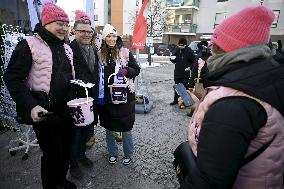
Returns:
<point x="86" y="67"/>
<point x="184" y="58"/>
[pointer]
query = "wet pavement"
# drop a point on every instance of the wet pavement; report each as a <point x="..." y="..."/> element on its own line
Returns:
<point x="155" y="134"/>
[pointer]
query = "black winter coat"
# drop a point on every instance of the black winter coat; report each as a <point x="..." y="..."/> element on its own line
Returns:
<point x="19" y="68"/>
<point x="279" y="57"/>
<point x="184" y="58"/>
<point x="85" y="74"/>
<point x="119" y="117"/>
<point x="234" y="121"/>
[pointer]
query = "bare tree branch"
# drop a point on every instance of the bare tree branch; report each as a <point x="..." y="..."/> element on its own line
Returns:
<point x="156" y="19"/>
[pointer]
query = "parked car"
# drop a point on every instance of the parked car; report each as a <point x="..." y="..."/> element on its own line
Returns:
<point x="163" y="50"/>
<point x="166" y="50"/>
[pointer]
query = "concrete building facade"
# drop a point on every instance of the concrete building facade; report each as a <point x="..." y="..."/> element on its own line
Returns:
<point x="207" y="14"/>
<point x="119" y="13"/>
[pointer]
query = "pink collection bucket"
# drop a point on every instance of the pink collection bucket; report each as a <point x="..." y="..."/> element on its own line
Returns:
<point x="118" y="92"/>
<point x="82" y="111"/>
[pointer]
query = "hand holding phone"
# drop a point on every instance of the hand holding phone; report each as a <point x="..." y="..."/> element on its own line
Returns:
<point x="44" y="114"/>
<point x="181" y="91"/>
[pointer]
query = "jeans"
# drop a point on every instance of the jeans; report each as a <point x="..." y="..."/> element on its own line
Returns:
<point x="112" y="145"/>
<point x="80" y="135"/>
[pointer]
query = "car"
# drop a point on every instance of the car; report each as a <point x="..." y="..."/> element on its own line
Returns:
<point x="163" y="50"/>
<point x="166" y="50"/>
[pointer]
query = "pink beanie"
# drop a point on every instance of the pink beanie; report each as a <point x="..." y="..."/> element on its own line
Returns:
<point x="81" y="15"/>
<point x="52" y="13"/>
<point x="249" y="26"/>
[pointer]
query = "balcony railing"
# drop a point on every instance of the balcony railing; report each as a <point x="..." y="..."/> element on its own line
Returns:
<point x="181" y="28"/>
<point x="179" y="3"/>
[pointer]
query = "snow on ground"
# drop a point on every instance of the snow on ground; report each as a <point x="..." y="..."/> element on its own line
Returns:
<point x="146" y="64"/>
<point x="156" y="60"/>
<point x="146" y="56"/>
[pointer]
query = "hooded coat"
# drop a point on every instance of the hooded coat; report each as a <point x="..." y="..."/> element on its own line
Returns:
<point x="231" y="125"/>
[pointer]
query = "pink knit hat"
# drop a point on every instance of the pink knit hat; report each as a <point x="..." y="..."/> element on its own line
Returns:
<point x="52" y="13"/>
<point x="249" y="26"/>
<point x="81" y="15"/>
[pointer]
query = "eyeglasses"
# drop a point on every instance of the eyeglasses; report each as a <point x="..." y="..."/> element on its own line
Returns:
<point x="85" y="32"/>
<point x="181" y="45"/>
<point x="62" y="24"/>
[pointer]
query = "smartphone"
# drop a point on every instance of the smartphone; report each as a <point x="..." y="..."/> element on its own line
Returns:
<point x="181" y="91"/>
<point x="42" y="114"/>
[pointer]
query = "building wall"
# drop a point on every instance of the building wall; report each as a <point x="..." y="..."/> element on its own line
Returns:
<point x="117" y="15"/>
<point x="206" y="16"/>
<point x="129" y="11"/>
<point x="209" y="8"/>
<point x="101" y="11"/>
<point x="121" y="15"/>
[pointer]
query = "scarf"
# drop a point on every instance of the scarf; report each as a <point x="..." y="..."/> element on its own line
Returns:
<point x="240" y="55"/>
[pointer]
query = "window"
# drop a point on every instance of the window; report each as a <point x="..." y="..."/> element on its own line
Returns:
<point x="275" y="22"/>
<point x="219" y="17"/>
<point x="96" y="17"/>
<point x="177" y="20"/>
<point x="186" y="18"/>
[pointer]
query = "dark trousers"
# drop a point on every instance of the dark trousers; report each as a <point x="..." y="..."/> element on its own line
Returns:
<point x="54" y="141"/>
<point x="80" y="135"/>
<point x="184" y="81"/>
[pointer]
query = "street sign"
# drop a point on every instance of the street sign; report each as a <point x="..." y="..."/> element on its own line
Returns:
<point x="149" y="41"/>
<point x="152" y="50"/>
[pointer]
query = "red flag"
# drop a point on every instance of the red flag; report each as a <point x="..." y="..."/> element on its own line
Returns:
<point x="140" y="28"/>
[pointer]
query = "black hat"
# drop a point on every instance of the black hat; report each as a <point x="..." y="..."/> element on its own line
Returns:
<point x="182" y="41"/>
<point x="119" y="42"/>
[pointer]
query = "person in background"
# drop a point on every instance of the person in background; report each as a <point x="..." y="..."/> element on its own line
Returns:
<point x="236" y="132"/>
<point x="199" y="67"/>
<point x="184" y="58"/>
<point x="38" y="79"/>
<point x="86" y="67"/>
<point x="279" y="42"/>
<point x="277" y="55"/>
<point x="113" y="58"/>
<point x="203" y="51"/>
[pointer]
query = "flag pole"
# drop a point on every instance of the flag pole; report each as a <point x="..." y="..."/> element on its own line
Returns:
<point x="137" y="55"/>
<point x="137" y="59"/>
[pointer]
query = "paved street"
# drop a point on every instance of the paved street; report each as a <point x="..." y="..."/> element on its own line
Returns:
<point x="155" y="135"/>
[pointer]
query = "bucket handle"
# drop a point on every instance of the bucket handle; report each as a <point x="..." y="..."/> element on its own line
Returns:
<point x="85" y="85"/>
<point x="114" y="74"/>
<point x="87" y="94"/>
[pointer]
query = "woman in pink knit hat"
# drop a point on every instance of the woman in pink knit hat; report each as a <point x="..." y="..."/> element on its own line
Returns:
<point x="38" y="78"/>
<point x="81" y="15"/>
<point x="236" y="133"/>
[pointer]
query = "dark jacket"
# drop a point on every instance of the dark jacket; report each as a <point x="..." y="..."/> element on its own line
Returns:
<point x="259" y="78"/>
<point x="84" y="73"/>
<point x="184" y="58"/>
<point x="119" y="117"/>
<point x="279" y="57"/>
<point x="19" y="68"/>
